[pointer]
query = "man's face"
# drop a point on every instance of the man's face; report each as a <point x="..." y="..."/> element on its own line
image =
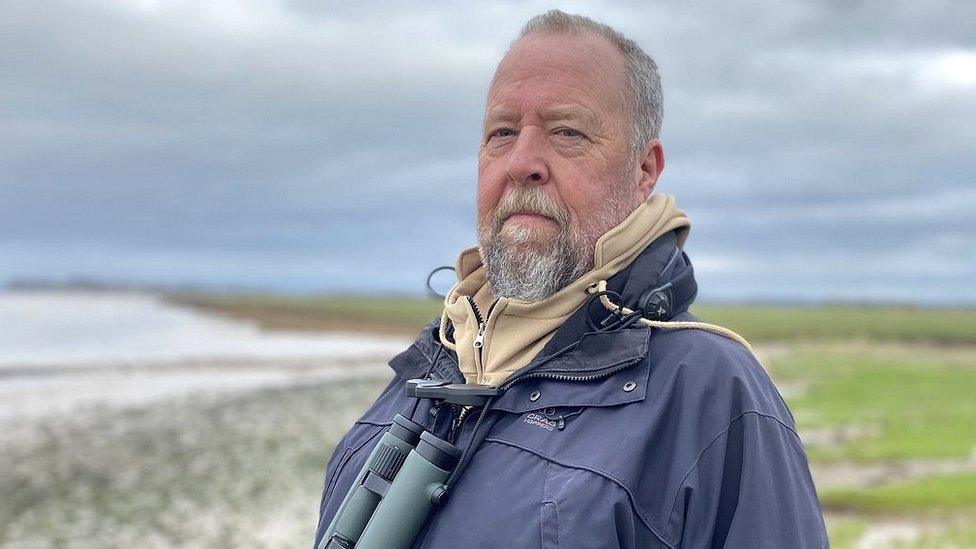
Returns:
<point x="555" y="168"/>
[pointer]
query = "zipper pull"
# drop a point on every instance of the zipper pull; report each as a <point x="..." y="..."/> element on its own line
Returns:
<point x="479" y="339"/>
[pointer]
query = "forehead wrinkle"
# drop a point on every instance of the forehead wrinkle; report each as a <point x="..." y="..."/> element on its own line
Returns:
<point x="578" y="113"/>
<point x="569" y="81"/>
<point x="571" y="113"/>
<point x="606" y="64"/>
<point x="501" y="113"/>
<point x="508" y="103"/>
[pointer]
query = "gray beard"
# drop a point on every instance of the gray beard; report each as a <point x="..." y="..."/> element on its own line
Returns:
<point x="528" y="273"/>
<point x="518" y="268"/>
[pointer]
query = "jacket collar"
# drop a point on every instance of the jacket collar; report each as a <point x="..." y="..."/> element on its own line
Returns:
<point x="574" y="351"/>
<point x="492" y="342"/>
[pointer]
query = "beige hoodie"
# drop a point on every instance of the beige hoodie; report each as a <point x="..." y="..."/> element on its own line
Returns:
<point x="505" y="334"/>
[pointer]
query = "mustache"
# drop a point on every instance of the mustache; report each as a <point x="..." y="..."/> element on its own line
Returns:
<point x="529" y="200"/>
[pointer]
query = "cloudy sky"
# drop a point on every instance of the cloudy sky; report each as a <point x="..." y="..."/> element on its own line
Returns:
<point x="823" y="150"/>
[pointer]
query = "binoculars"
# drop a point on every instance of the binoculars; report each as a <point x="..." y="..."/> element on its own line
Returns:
<point x="402" y="480"/>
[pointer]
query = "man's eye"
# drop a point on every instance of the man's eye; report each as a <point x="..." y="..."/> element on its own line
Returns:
<point x="568" y="132"/>
<point x="502" y="132"/>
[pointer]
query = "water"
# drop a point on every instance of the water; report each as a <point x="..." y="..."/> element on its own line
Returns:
<point x="62" y="352"/>
<point x="77" y="328"/>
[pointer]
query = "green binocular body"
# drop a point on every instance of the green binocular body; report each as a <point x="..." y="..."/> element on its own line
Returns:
<point x="400" y="483"/>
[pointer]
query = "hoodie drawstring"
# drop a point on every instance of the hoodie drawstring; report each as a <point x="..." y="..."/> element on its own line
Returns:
<point x="600" y="289"/>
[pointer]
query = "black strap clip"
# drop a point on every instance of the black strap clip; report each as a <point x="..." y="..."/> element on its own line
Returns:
<point x="466" y="394"/>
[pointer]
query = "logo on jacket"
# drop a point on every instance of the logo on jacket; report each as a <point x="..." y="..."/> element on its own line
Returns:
<point x="539" y="420"/>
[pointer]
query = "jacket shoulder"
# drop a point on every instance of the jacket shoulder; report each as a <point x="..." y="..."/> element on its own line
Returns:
<point x="709" y="368"/>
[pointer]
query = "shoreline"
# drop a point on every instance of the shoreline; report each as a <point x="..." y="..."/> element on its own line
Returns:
<point x="69" y="353"/>
<point x="291" y="316"/>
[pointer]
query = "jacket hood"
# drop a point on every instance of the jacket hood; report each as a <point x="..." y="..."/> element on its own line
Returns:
<point x="495" y="337"/>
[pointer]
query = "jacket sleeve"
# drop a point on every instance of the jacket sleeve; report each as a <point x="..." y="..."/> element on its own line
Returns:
<point x="751" y="487"/>
<point x="330" y="469"/>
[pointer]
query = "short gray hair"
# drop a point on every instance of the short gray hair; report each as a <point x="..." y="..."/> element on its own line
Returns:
<point x="645" y="82"/>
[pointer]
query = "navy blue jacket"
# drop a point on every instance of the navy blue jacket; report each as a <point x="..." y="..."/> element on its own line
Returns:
<point x="638" y="437"/>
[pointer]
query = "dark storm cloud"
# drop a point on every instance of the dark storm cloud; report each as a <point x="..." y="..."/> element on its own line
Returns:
<point x="822" y="150"/>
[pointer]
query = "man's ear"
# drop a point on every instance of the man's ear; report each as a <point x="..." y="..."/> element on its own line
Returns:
<point x="650" y="165"/>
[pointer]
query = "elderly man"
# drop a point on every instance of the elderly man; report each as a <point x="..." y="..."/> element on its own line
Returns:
<point x="617" y="419"/>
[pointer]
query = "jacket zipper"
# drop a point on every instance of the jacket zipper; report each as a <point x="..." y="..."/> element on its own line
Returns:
<point x="566" y="377"/>
<point x="478" y="344"/>
<point x="458" y="422"/>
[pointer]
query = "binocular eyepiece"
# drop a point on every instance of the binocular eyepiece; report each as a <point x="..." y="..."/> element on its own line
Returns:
<point x="402" y="480"/>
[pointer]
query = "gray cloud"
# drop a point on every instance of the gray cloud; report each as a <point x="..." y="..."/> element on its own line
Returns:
<point x="822" y="149"/>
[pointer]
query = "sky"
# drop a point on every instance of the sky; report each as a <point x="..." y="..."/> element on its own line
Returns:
<point x="823" y="150"/>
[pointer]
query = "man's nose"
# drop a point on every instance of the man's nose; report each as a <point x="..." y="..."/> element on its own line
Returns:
<point x="526" y="164"/>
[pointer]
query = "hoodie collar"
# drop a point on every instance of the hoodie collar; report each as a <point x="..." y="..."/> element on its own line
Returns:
<point x="495" y="337"/>
<point x="573" y="349"/>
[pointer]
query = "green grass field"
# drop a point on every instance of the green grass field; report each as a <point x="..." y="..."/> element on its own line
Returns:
<point x="911" y="401"/>
<point x="402" y="316"/>
<point x="932" y="494"/>
<point x="879" y="324"/>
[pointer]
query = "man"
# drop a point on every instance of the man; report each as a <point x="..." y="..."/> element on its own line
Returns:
<point x="620" y="420"/>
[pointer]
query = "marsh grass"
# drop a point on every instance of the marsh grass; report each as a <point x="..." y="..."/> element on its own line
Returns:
<point x="916" y="401"/>
<point x="933" y="495"/>
<point x="845" y="322"/>
<point x="901" y="407"/>
<point x="384" y="315"/>
<point x="845" y="531"/>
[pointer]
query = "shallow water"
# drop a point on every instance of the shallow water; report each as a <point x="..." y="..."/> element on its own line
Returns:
<point x="72" y="327"/>
<point x="62" y="352"/>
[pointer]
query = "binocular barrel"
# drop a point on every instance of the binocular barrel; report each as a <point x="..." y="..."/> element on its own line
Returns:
<point x="418" y="487"/>
<point x="402" y="480"/>
<point x="370" y="485"/>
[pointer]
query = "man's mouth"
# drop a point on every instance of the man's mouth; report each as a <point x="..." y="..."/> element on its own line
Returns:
<point x="529" y="215"/>
<point x="529" y="218"/>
